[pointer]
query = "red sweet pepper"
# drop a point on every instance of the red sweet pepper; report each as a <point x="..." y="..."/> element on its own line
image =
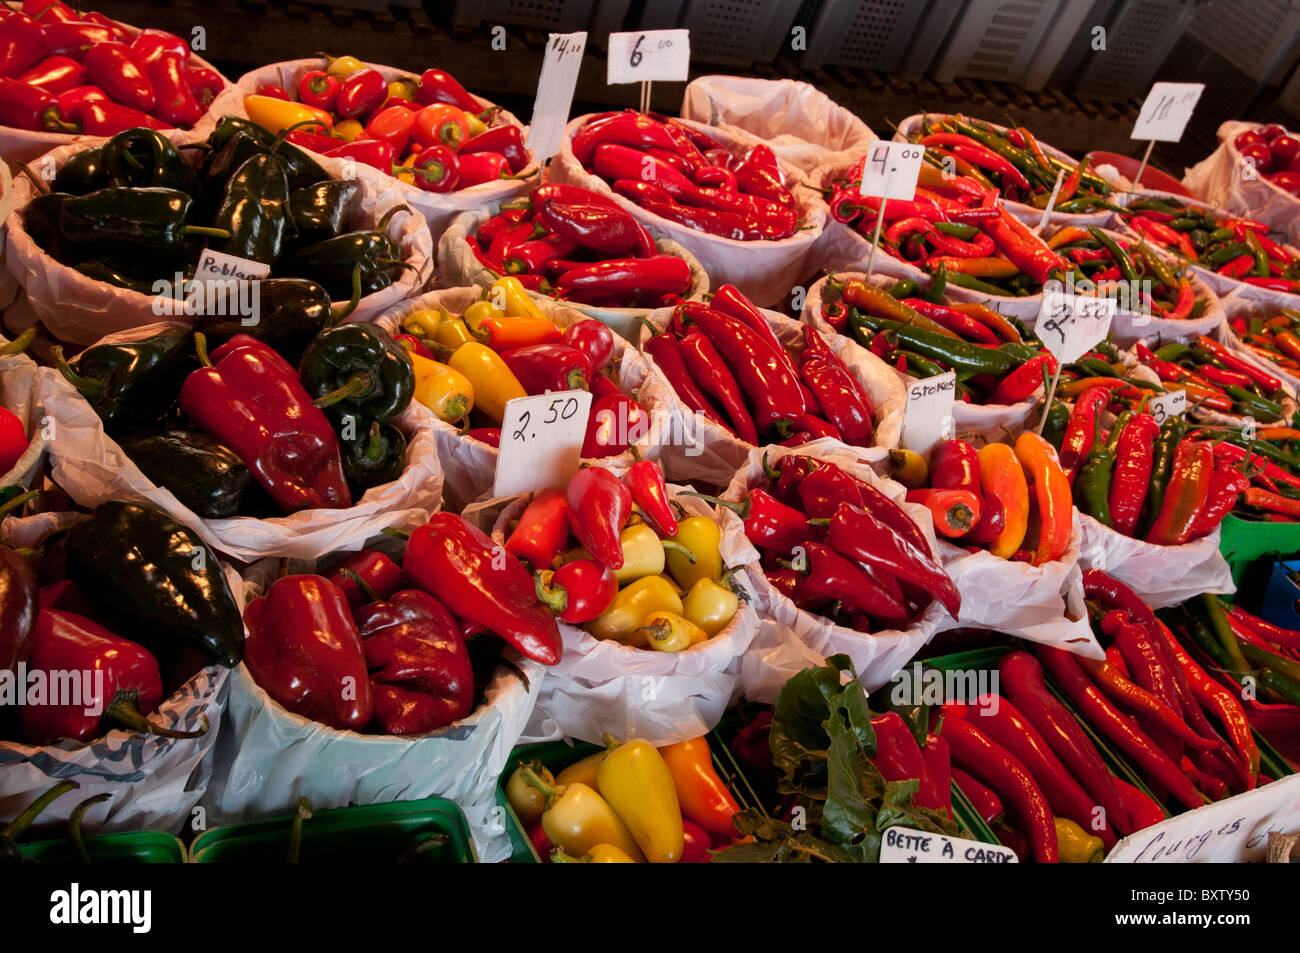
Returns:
<point x="436" y="169"/>
<point x="542" y="531"/>
<point x="645" y="481"/>
<point x="711" y="373"/>
<point x="113" y="68"/>
<point x="55" y="74"/>
<point x="578" y="591"/>
<point x="479" y="167"/>
<point x="668" y="358"/>
<point x="599" y="507"/>
<point x="318" y="89"/>
<point x="22" y="44"/>
<point x="438" y="86"/>
<point x="204" y="83"/>
<point x="149" y="45"/>
<point x="831" y="576"/>
<point x="594" y="339"/>
<point x="76" y="39"/>
<point x="506" y="140"/>
<point x="860" y="534"/>
<point x="175" y="101"/>
<point x="360" y="93"/>
<point x="366" y="576"/>
<point x="393" y="126"/>
<point x="27" y="107"/>
<point x="99" y="118"/>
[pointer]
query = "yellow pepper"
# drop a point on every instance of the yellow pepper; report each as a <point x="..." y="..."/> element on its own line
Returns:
<point x="403" y="88"/>
<point x="343" y="66"/>
<point x="493" y="382"/>
<point x="509" y="295"/>
<point x="582" y="772"/>
<point x="711" y="605"/>
<point x="643" y="553"/>
<point x="636" y="783"/>
<point x="909" y="468"/>
<point x="451" y="334"/>
<point x="673" y="584"/>
<point x="700" y="536"/>
<point x="1077" y="846"/>
<point x="600" y="854"/>
<point x="577" y="818"/>
<point x="408" y="165"/>
<point x="526" y="801"/>
<point x="631" y="607"/>
<point x="668" y="632"/>
<point x="349" y="129"/>
<point x="479" y="312"/>
<point x="275" y="115"/>
<point x="475" y="125"/>
<point x="422" y="323"/>
<point x="441" y="388"/>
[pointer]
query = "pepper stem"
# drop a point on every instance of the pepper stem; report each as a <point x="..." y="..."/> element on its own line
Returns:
<point x="295" y="830"/>
<point x="558" y="856"/>
<point x="533" y="779"/>
<point x="124" y="711"/>
<point x="740" y="509"/>
<point x="41" y="187"/>
<point x="19" y="343"/>
<point x="344" y="310"/>
<point x="10" y="505"/>
<point x="201" y="349"/>
<point x="609" y="741"/>
<point x="88" y="387"/>
<point x="395" y="532"/>
<point x="361" y="584"/>
<point x="678" y="548"/>
<point x="556" y="598"/>
<point x="382" y="224"/>
<point x="374" y="446"/>
<point x="771" y="472"/>
<point x="74" y="824"/>
<point x="356" y="384"/>
<point x="18" y="826"/>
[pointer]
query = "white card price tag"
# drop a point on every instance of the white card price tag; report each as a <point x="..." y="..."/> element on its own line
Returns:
<point x="904" y="845"/>
<point x="891" y="170"/>
<point x="1166" y="110"/>
<point x="225" y="284"/>
<point x="555" y="86"/>
<point x="541" y="441"/>
<point x="927" y="415"/>
<point x="649" y="56"/>
<point x="1164" y="406"/>
<point x="1069" y="325"/>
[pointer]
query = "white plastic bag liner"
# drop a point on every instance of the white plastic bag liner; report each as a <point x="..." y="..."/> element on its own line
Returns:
<point x="24" y="145"/>
<point x="438" y="208"/>
<point x="764" y="271"/>
<point x="459" y="268"/>
<point x="987" y="421"/>
<point x="664" y="697"/>
<point x="9" y="288"/>
<point x="1161" y="575"/>
<point x="470" y="465"/>
<point x="78" y="309"/>
<point x="803" y="125"/>
<point x="20" y="394"/>
<point x="1026" y="213"/>
<point x="154" y="782"/>
<point x="92" y="468"/>
<point x="711" y="453"/>
<point x="269" y="757"/>
<point x="1218" y="180"/>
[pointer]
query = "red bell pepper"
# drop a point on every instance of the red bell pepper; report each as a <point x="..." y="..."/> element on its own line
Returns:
<point x="594" y="339"/>
<point x="542" y="531"/>
<point x="55" y="74"/>
<point x="304" y="650"/>
<point x="419" y="665"/>
<point x="27" y="107"/>
<point x="366" y="576"/>
<point x="112" y="68"/>
<point x="599" y="507"/>
<point x="458" y="564"/>
<point x="547" y="367"/>
<point x="578" y="591"/>
<point x="360" y="93"/>
<point x="249" y="398"/>
<point x="175" y="101"/>
<point x="318" y="89"/>
<point x="204" y="83"/>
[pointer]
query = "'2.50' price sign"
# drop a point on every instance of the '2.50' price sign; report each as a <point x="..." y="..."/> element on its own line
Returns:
<point x="541" y="441"/>
<point x="1070" y="325"/>
<point x="649" y="56"/>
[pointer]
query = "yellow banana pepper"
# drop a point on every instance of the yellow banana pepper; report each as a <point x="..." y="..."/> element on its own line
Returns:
<point x="526" y="801"/>
<point x="349" y="129"/>
<point x="577" y="818"/>
<point x="509" y="295"/>
<point x="493" y="382"/>
<point x="451" y="334"/>
<point x="600" y="854"/>
<point x="582" y="772"/>
<point x="909" y="468"/>
<point x="404" y="88"/>
<point x="681" y="593"/>
<point x="442" y="388"/>
<point x="1077" y="846"/>
<point x="711" y="605"/>
<point x="667" y="632"/>
<point x="700" y="535"/>
<point x="636" y="783"/>
<point x="475" y="125"/>
<point x="422" y="323"/>
<point x="479" y="312"/>
<point x="275" y="115"/>
<point x="629" y="610"/>
<point x="343" y="66"/>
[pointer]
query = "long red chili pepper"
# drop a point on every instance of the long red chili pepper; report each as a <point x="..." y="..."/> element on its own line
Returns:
<point x="1226" y="485"/>
<point x="840" y="397"/>
<point x="1142" y="702"/>
<point x="663" y="348"/>
<point x="713" y="375"/>
<point x="1265" y="380"/>
<point x="645" y="480"/>
<point x="1134" y="455"/>
<point x="1288" y="638"/>
<point x="1021" y="383"/>
<point x="831" y="576"/>
<point x="652" y="198"/>
<point x="599" y="507"/>
<point x="770" y="524"/>
<point x="1081" y="430"/>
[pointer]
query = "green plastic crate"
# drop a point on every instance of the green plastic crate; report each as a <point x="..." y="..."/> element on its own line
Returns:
<point x="370" y="832"/>
<point x="1244" y="541"/>
<point x="130" y="847"/>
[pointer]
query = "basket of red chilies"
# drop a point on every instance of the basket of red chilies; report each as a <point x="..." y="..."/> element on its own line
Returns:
<point x="571" y="244"/>
<point x="719" y="192"/>
<point x="66" y="74"/>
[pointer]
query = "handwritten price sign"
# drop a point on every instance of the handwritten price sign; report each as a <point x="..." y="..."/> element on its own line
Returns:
<point x="555" y="93"/>
<point x="1164" y="406"/>
<point x="1069" y="325"/>
<point x="1166" y="111"/>
<point x="891" y="170"/>
<point x="649" y="56"/>
<point x="541" y="441"/>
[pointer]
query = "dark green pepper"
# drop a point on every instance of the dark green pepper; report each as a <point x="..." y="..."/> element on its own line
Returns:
<point x="1252" y="405"/>
<point x="358" y="370"/>
<point x="254" y="209"/>
<point x="1162" y="462"/>
<point x="1223" y="254"/>
<point x="145" y="158"/>
<point x="1058" y="419"/>
<point x="907" y="288"/>
<point x="132" y="383"/>
<point x="1092" y="487"/>
<point x="372" y="457"/>
<point x="934" y="293"/>
<point x="963" y="280"/>
<point x="99" y="271"/>
<point x="204" y="475"/>
<point x="156" y="580"/>
<point x="41" y="220"/>
<point x="303" y="170"/>
<point x="332" y="261"/>
<point x="962" y="356"/>
<point x="322" y="211"/>
<point x="82" y="173"/>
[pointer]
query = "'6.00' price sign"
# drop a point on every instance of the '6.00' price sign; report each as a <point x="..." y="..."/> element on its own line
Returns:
<point x="541" y="441"/>
<point x="649" y="56"/>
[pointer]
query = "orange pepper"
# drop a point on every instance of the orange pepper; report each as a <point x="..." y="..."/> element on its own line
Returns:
<point x="502" y="334"/>
<point x="989" y="318"/>
<point x="978" y="267"/>
<point x="1071" y="233"/>
<point x="1051" y="493"/>
<point x="702" y="795"/>
<point x="1002" y="477"/>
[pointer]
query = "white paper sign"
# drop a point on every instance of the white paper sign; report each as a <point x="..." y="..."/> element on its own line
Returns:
<point x="1230" y="831"/>
<point x="1170" y="404"/>
<point x="221" y="286"/>
<point x="1166" y="110"/>
<point x="649" y="56"/>
<point x="541" y="441"/>
<point x="903" y="845"/>
<point x="555" y="93"/>
<point x="1069" y="325"/>
<point x="927" y="416"/>
<point x="891" y="169"/>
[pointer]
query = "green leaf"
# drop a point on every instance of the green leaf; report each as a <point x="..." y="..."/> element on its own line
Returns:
<point x="849" y="817"/>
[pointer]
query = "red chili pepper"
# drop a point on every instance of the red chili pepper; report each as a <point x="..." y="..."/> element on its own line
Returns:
<point x="599" y="227"/>
<point x="98" y="118"/>
<point x="377" y="154"/>
<point x="1021" y="383"/>
<point x="204" y="83"/>
<point x="55" y="75"/>
<point x="1022" y="683"/>
<point x="655" y="200"/>
<point x="1268" y="382"/>
<point x="506" y="239"/>
<point x="175" y="103"/>
<point x="480" y="167"/>
<point x="111" y="67"/>
<point x="420" y="673"/>
<point x="488" y="435"/>
<point x="860" y="534"/>
<point x="456" y="563"/>
<point x="26" y="107"/>
<point x="955" y="512"/>
<point x="542" y="531"/>
<point x="325" y="145"/>
<point x="1134" y="459"/>
<point x="1287" y="638"/>
<point x="547" y="367"/>
<point x="318" y="89"/>
<point x="360" y="93"/>
<point x="819" y="487"/>
<point x="595" y="340"/>
<point x="628" y="278"/>
<point x="532" y="257"/>
<point x="366" y="576"/>
<point x="251" y="399"/>
<point x="1022" y="247"/>
<point x="667" y="356"/>
<point x="1081" y="430"/>
<point x="22" y="44"/>
<point x="770" y="524"/>
<point x="1226" y="485"/>
<point x="715" y="177"/>
<point x="578" y="591"/>
<point x="494" y="226"/>
<point x="76" y="39"/>
<point x="599" y="507"/>
<point x="1235" y="454"/>
<point x="438" y="86"/>
<point x="629" y="129"/>
<point x="392" y="125"/>
<point x="645" y="481"/>
<point x="149" y="45"/>
<point x="713" y="374"/>
<point x="985" y="801"/>
<point x="993" y="764"/>
<point x="759" y="174"/>
<point x="616" y="422"/>
<point x="125" y="686"/>
<point x="1185" y="497"/>
<point x="729" y="300"/>
<point x="899" y="758"/>
<point x="507" y="140"/>
<point x="275" y="92"/>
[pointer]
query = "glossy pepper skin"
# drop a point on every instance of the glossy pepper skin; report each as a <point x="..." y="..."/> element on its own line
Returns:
<point x="458" y="564"/>
<point x="303" y="170"/>
<point x="831" y="576"/>
<point x="1052" y="494"/>
<point x="1189" y="484"/>
<point x="291" y="312"/>
<point x="419" y="666"/>
<point x="578" y="591"/>
<point x="702" y="795"/>
<point x="899" y="758"/>
<point x="373" y="457"/>
<point x="1133" y="461"/>
<point x="645" y="481"/>
<point x="17" y="608"/>
<point x="204" y="475"/>
<point x="332" y="262"/>
<point x="577" y="819"/>
<point x="254" y="208"/>
<point x="636" y="783"/>
<point x="133" y="383"/>
<point x="303" y="648"/>
<point x="136" y="563"/>
<point x="1081" y="431"/>
<point x="145" y="158"/>
<point x="360" y="370"/>
<point x="700" y="536"/>
<point x="251" y="400"/>
<point x="599" y="507"/>
<point x="324" y="210"/>
<point x="542" y="531"/>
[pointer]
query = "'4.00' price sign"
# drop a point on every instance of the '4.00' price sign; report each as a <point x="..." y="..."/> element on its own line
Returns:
<point x="541" y="441"/>
<point x="649" y="56"/>
<point x="891" y="170"/>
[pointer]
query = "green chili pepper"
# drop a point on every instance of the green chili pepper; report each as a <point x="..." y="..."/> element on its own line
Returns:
<point x="934" y="293"/>
<point x="1221" y="256"/>
<point x="1218" y="620"/>
<point x="919" y="366"/>
<point x="1092" y="487"/>
<point x="1096" y="367"/>
<point x="963" y="280"/>
<point x="1252" y="404"/>
<point x="1058" y="419"/>
<point x="1162" y="461"/>
<point x="1261" y="257"/>
<point x="1172" y="352"/>
<point x="957" y="230"/>
<point x="1199" y="632"/>
<point x="1120" y="256"/>
<point x="1288" y="689"/>
<point x="907" y="288"/>
<point x="960" y="355"/>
